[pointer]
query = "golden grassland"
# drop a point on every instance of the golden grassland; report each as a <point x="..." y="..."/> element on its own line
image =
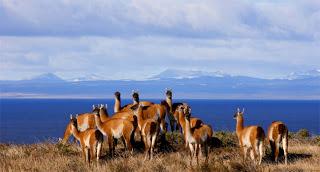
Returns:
<point x="304" y="155"/>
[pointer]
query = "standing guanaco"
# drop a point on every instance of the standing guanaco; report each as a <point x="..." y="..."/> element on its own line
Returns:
<point x="149" y="129"/>
<point x="90" y="140"/>
<point x="115" y="128"/>
<point x="84" y="121"/>
<point x="182" y="111"/>
<point x="277" y="134"/>
<point x="251" y="138"/>
<point x="197" y="138"/>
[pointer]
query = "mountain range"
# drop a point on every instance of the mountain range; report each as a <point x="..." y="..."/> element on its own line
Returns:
<point x="185" y="84"/>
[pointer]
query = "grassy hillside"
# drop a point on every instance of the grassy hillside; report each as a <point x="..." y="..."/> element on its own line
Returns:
<point x="304" y="154"/>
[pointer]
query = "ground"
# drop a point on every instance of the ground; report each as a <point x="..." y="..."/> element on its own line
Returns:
<point x="304" y="155"/>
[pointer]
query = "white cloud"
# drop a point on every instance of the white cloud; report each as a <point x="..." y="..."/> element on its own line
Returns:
<point x="140" y="57"/>
<point x="135" y="39"/>
<point x="267" y="19"/>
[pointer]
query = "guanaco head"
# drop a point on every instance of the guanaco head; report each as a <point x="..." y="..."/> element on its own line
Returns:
<point x="96" y="110"/>
<point x="73" y="122"/>
<point x="103" y="107"/>
<point x="135" y="96"/>
<point x="238" y="114"/>
<point x="185" y="111"/>
<point x="169" y="93"/>
<point x="117" y="95"/>
<point x="94" y="107"/>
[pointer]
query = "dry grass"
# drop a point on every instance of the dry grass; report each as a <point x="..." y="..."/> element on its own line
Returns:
<point x="304" y="155"/>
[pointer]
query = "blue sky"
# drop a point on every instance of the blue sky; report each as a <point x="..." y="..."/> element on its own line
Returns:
<point x="119" y="39"/>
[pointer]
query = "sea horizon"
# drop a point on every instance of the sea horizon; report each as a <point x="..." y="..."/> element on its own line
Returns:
<point x="47" y="118"/>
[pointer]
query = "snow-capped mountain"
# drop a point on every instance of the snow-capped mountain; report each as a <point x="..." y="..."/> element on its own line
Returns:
<point x="191" y="84"/>
<point x="179" y="74"/>
<point x="46" y="77"/>
<point x="91" y="77"/>
<point x="304" y="74"/>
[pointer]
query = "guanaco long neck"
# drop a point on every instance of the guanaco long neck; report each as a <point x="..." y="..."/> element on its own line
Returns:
<point x="135" y="102"/>
<point x="67" y="133"/>
<point x="139" y="117"/>
<point x="117" y="104"/>
<point x="75" y="132"/>
<point x="104" y="116"/>
<point x="187" y="128"/>
<point x="182" y="121"/>
<point x="239" y="126"/>
<point x="169" y="101"/>
<point x="98" y="122"/>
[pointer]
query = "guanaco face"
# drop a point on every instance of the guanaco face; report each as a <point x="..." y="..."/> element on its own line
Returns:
<point x="169" y="93"/>
<point x="250" y="137"/>
<point x="117" y="102"/>
<point x="135" y="97"/>
<point x="277" y="134"/>
<point x="90" y="140"/>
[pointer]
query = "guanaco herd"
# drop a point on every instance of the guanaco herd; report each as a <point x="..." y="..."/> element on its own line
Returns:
<point x="148" y="120"/>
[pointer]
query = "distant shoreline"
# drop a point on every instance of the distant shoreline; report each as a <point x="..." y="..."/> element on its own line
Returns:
<point x="159" y="98"/>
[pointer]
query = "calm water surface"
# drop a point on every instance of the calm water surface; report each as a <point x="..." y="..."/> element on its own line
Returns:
<point x="35" y="120"/>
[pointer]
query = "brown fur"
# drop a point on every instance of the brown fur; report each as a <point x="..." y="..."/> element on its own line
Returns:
<point x="153" y="110"/>
<point x="182" y="111"/>
<point x="123" y="127"/>
<point x="197" y="138"/>
<point x="136" y="100"/>
<point x="84" y="121"/>
<point x="277" y="134"/>
<point x="149" y="129"/>
<point x="95" y="138"/>
<point x="250" y="138"/>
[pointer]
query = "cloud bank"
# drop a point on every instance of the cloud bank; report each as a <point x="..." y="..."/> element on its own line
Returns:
<point x="136" y="39"/>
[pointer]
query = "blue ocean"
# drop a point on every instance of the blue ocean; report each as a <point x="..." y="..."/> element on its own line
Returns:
<point x="25" y="121"/>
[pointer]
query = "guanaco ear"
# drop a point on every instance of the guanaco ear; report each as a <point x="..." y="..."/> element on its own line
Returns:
<point x="71" y="117"/>
<point x="238" y="110"/>
<point x="77" y="115"/>
<point x="106" y="106"/>
<point x="242" y="110"/>
<point x="93" y="106"/>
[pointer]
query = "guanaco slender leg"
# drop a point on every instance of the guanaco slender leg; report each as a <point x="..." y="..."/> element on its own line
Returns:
<point x="197" y="152"/>
<point x="99" y="146"/>
<point x="191" y="152"/>
<point x="84" y="153"/>
<point x="285" y="148"/>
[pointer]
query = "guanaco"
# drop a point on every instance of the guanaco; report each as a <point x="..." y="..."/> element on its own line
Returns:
<point x="197" y="139"/>
<point x="195" y="123"/>
<point x="149" y="129"/>
<point x="251" y="138"/>
<point x="90" y="140"/>
<point x="84" y="122"/>
<point x="277" y="134"/>
<point x="115" y="128"/>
